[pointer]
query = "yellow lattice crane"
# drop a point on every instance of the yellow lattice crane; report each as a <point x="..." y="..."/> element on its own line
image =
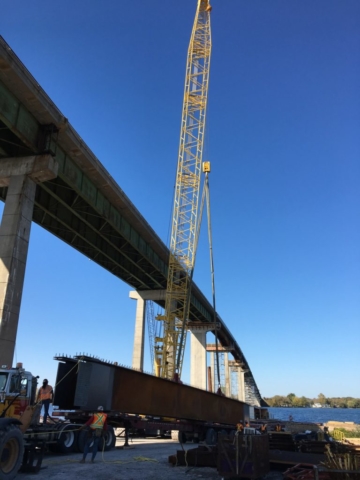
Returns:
<point x="169" y="349"/>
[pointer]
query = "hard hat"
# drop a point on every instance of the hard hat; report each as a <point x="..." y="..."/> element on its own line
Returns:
<point x="100" y="407"/>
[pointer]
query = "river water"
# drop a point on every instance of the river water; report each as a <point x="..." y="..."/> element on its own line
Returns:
<point x="316" y="415"/>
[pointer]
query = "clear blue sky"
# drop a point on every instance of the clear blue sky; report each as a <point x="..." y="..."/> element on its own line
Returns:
<point x="283" y="138"/>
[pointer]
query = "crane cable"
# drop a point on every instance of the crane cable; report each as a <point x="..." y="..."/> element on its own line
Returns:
<point x="207" y="195"/>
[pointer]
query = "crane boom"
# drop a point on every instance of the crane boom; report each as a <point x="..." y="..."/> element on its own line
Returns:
<point x="170" y="348"/>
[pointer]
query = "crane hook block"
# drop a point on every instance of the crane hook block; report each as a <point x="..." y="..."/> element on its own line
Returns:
<point x="206" y="167"/>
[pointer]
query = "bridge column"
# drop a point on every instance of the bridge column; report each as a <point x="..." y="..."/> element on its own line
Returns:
<point x="227" y="375"/>
<point x="198" y="374"/>
<point x="20" y="176"/>
<point x="139" y="335"/>
<point x="239" y="367"/>
<point x="241" y="383"/>
<point x="198" y="359"/>
<point x="213" y="367"/>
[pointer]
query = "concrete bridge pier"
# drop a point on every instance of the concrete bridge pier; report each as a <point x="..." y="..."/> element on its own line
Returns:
<point x="198" y="349"/>
<point x="238" y="366"/>
<point x="227" y="375"/>
<point x="225" y="368"/>
<point x="139" y="334"/>
<point x="241" y="384"/>
<point x="20" y="175"/>
<point x="213" y="376"/>
<point x="198" y="373"/>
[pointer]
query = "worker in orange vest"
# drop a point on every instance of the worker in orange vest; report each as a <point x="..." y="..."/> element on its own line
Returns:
<point x="278" y="427"/>
<point x="263" y="428"/>
<point x="240" y="427"/>
<point x="97" y="424"/>
<point x="45" y="395"/>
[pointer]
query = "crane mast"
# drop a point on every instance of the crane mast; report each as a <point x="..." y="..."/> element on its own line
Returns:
<point x="170" y="347"/>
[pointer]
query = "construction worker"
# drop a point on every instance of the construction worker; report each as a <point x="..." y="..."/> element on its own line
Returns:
<point x="97" y="424"/>
<point x="240" y="427"/>
<point x="278" y="427"/>
<point x="263" y="428"/>
<point x="45" y="395"/>
<point x="326" y="434"/>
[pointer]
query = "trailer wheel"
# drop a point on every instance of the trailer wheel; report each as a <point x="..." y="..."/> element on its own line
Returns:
<point x="11" y="451"/>
<point x="108" y="440"/>
<point x="211" y="437"/>
<point x="67" y="440"/>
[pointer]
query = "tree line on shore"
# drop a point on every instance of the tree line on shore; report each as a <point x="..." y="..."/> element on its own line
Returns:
<point x="291" y="400"/>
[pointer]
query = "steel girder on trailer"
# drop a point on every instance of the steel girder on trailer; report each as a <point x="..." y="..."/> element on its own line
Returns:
<point x="84" y="382"/>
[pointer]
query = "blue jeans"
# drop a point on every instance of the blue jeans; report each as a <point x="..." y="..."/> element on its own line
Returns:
<point x="46" y="405"/>
<point x="95" y="446"/>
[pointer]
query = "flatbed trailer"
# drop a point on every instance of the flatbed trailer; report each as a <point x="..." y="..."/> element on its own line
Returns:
<point x="187" y="430"/>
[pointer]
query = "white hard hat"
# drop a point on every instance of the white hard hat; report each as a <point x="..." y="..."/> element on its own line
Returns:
<point x="100" y="407"/>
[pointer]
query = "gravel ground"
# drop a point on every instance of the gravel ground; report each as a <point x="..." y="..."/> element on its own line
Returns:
<point x="147" y="459"/>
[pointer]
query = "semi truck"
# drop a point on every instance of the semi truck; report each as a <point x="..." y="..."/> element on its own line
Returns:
<point x="132" y="400"/>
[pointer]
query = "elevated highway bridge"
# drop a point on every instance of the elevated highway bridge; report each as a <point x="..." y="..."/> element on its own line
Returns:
<point x="83" y="205"/>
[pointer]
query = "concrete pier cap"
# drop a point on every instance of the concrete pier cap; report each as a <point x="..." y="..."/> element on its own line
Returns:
<point x="39" y="168"/>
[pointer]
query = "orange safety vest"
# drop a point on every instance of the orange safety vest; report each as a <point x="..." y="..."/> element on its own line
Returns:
<point x="98" y="420"/>
<point x="45" y="393"/>
<point x="278" y="428"/>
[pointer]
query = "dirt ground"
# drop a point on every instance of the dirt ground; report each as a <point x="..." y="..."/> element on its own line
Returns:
<point x="147" y="459"/>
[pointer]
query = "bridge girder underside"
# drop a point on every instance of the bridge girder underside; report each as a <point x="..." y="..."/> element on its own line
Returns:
<point x="62" y="212"/>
